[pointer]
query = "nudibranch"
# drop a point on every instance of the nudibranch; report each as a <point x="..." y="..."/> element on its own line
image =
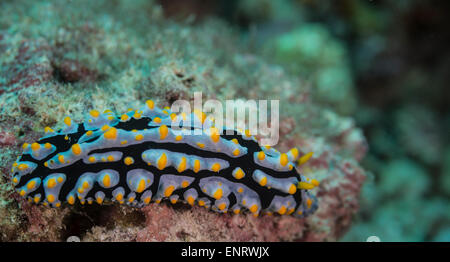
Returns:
<point x="141" y="156"/>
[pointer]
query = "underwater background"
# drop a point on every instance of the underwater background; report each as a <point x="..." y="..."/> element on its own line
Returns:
<point x="360" y="83"/>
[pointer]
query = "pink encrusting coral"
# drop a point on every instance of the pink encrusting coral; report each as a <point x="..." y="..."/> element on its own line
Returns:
<point x="7" y="139"/>
<point x="31" y="66"/>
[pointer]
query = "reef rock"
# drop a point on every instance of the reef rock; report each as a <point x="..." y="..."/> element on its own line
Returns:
<point x="51" y="68"/>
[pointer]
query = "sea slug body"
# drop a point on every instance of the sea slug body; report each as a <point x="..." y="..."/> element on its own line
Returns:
<point x="140" y="157"/>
